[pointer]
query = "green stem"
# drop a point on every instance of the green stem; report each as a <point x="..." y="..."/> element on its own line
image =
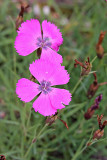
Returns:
<point x="75" y="87"/>
<point x="28" y="150"/>
<point x="29" y="118"/>
<point x="74" y="158"/>
<point x="37" y="137"/>
<point x="96" y="57"/>
<point x="85" y="147"/>
<point x="93" y="59"/>
<point x="79" y="150"/>
<point x="41" y="131"/>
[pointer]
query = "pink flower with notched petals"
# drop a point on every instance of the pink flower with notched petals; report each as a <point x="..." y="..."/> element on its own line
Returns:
<point x="50" y="99"/>
<point x="30" y="37"/>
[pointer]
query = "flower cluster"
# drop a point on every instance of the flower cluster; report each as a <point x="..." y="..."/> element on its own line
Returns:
<point x="47" y="70"/>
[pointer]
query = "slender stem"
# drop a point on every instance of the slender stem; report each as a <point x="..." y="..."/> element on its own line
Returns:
<point x="14" y="57"/>
<point x="31" y="145"/>
<point x="92" y="72"/>
<point x="28" y="150"/>
<point x="29" y="118"/>
<point x="93" y="59"/>
<point x="85" y="147"/>
<point x="96" y="57"/>
<point x="75" y="87"/>
<point x="79" y="150"/>
<point x="41" y="131"/>
<point x="103" y="83"/>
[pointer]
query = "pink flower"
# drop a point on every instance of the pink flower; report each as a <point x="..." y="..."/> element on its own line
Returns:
<point x="30" y="38"/>
<point x="50" y="98"/>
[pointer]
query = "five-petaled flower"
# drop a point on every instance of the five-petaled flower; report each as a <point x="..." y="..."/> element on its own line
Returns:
<point x="30" y="37"/>
<point x="50" y="99"/>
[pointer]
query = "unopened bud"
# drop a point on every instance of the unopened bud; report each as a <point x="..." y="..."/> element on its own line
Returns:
<point x="39" y="51"/>
<point x="98" y="134"/>
<point x="99" y="47"/>
<point x="34" y="140"/>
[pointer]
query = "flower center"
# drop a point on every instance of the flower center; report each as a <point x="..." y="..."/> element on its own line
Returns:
<point x="43" y="43"/>
<point x="45" y="87"/>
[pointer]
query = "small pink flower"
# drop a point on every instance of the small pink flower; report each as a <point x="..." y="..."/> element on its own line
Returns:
<point x="50" y="98"/>
<point x="30" y="38"/>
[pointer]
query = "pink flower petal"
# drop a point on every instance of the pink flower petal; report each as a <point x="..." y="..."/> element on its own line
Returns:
<point x="60" y="76"/>
<point x="43" y="105"/>
<point x="26" y="89"/>
<point x="58" y="97"/>
<point x="53" y="33"/>
<point x="41" y="69"/>
<point x="26" y="40"/>
<point x="45" y="70"/>
<point x="51" y="55"/>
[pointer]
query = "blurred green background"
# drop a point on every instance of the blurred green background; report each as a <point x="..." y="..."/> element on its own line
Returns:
<point x="81" y="22"/>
